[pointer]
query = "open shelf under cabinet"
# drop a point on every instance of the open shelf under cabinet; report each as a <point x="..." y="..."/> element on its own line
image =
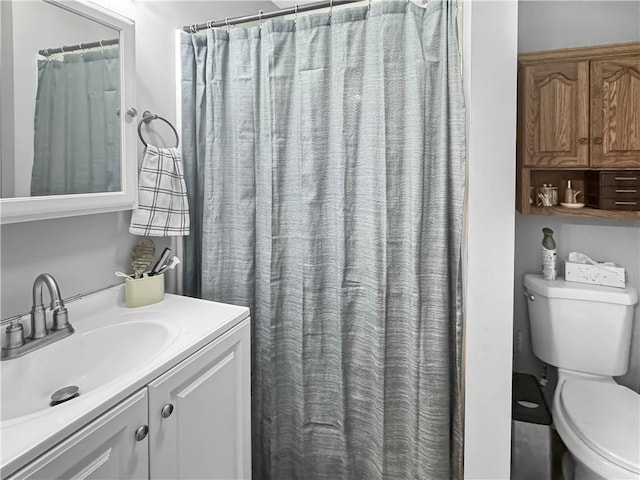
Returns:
<point x="534" y="178"/>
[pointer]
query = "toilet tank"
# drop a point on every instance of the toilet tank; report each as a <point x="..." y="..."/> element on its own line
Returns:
<point x="581" y="327"/>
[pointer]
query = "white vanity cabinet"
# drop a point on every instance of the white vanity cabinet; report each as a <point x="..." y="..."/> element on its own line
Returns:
<point x="199" y="413"/>
<point x="105" y="448"/>
<point x="192" y="422"/>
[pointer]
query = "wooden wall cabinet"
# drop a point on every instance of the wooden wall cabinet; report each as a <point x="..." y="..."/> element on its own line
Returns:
<point x="555" y="108"/>
<point x="578" y="111"/>
<point x="615" y="112"/>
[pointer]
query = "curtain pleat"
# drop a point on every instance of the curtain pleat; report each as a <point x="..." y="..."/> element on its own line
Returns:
<point x="328" y="158"/>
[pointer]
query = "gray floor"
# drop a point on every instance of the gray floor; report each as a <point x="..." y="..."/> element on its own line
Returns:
<point x="558" y="449"/>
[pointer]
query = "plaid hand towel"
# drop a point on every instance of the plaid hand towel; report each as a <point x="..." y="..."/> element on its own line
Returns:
<point x="163" y="209"/>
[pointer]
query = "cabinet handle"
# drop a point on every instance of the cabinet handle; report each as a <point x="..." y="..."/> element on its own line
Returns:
<point x="166" y="411"/>
<point x="584" y="140"/>
<point x="597" y="141"/>
<point x="626" y="190"/>
<point x="633" y="179"/>
<point x="141" y="433"/>
<point x="626" y="203"/>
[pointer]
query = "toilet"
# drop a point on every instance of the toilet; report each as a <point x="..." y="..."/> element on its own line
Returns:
<point x="585" y="331"/>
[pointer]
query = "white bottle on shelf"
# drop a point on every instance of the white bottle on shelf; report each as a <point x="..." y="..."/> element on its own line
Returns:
<point x="569" y="196"/>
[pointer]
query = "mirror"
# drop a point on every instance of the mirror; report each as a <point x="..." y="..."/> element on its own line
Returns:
<point x="68" y="132"/>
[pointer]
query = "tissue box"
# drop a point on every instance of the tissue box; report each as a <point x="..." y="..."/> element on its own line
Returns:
<point x="594" y="275"/>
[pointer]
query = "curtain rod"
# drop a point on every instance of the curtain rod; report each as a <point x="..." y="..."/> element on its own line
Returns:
<point x="45" y="52"/>
<point x="193" y="28"/>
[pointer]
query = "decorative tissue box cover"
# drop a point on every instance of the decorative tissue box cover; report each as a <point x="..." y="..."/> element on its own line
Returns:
<point x="594" y="275"/>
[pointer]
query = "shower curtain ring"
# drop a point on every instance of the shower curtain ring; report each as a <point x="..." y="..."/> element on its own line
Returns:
<point x="226" y="20"/>
<point x="193" y="28"/>
<point x="330" y="9"/>
<point x="369" y="6"/>
<point x="295" y="18"/>
<point x="260" y="12"/>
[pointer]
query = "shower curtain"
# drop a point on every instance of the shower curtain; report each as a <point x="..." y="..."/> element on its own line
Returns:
<point x="77" y="124"/>
<point x="325" y="160"/>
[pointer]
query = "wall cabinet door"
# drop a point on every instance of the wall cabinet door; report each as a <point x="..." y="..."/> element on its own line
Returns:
<point x="555" y="114"/>
<point x="199" y="413"/>
<point x="615" y="113"/>
<point x="106" y="448"/>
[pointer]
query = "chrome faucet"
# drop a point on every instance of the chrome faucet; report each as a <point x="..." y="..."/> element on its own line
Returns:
<point x="17" y="345"/>
<point x="38" y="318"/>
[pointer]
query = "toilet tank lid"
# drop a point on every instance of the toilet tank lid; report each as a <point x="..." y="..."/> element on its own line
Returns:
<point x="534" y="283"/>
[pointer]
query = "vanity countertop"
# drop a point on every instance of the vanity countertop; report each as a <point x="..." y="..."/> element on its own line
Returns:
<point x="187" y="325"/>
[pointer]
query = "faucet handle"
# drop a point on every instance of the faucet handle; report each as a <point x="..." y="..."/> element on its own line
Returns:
<point x="61" y="319"/>
<point x="15" y="335"/>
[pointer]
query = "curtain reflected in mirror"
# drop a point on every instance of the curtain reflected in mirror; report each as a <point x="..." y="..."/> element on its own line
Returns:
<point x="77" y="123"/>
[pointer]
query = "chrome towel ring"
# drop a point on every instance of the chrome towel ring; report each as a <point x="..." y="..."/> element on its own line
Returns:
<point x="147" y="116"/>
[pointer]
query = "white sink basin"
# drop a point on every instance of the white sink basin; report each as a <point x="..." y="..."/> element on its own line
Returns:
<point x="88" y="360"/>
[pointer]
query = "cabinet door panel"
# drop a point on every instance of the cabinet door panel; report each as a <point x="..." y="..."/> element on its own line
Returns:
<point x="555" y="114"/>
<point x="615" y="112"/>
<point x="207" y="435"/>
<point x="104" y="449"/>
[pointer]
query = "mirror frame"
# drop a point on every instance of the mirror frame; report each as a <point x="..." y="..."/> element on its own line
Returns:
<point x="22" y="209"/>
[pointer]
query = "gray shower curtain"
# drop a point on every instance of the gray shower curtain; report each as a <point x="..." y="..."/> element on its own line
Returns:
<point x="77" y="124"/>
<point x="325" y="162"/>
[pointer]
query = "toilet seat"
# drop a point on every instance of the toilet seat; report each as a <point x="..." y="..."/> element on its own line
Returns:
<point x="606" y="417"/>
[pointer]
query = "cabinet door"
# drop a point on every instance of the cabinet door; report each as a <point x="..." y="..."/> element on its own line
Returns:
<point x="205" y="430"/>
<point x="615" y="113"/>
<point x="105" y="449"/>
<point x="555" y="114"/>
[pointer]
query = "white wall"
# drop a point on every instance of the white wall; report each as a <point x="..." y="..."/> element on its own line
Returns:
<point x="490" y="50"/>
<point x="546" y="25"/>
<point x="550" y="24"/>
<point x="83" y="252"/>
